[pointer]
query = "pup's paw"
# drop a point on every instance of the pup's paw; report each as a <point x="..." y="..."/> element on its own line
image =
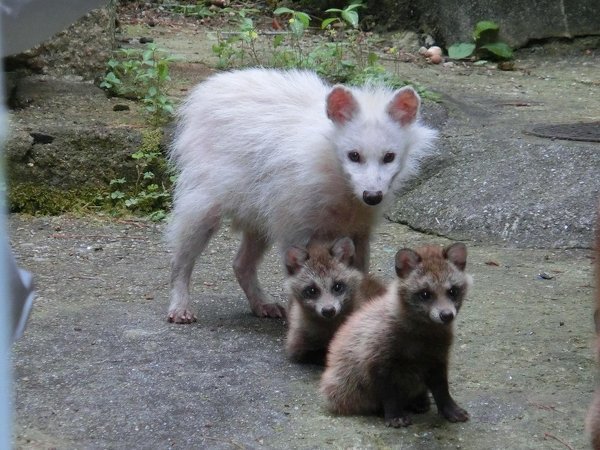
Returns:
<point x="398" y="422"/>
<point x="454" y="413"/>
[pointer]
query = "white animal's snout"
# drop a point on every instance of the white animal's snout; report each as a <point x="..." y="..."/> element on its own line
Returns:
<point x="443" y="314"/>
<point x="372" y="198"/>
<point x="372" y="180"/>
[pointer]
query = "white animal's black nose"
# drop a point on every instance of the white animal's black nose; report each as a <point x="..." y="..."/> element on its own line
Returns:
<point x="372" y="197"/>
<point x="446" y="316"/>
<point x="328" y="311"/>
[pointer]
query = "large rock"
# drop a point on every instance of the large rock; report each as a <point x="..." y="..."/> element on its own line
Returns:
<point x="82" y="49"/>
<point x="492" y="181"/>
<point x="452" y="21"/>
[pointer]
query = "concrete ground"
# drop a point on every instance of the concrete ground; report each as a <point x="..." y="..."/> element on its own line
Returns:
<point x="99" y="366"/>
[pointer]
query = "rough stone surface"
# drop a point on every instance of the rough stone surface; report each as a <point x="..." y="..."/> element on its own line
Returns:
<point x="82" y="49"/>
<point x="100" y="367"/>
<point x="492" y="181"/>
<point x="452" y="21"/>
<point x="65" y="135"/>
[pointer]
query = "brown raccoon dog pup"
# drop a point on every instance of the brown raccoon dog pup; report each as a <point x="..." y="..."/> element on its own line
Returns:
<point x="323" y="290"/>
<point x="394" y="350"/>
<point x="593" y="415"/>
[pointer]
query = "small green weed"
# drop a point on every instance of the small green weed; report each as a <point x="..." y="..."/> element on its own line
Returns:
<point x="236" y="45"/>
<point x="298" y="24"/>
<point x="142" y="75"/>
<point x="199" y="10"/>
<point x="485" y="44"/>
<point x="348" y="15"/>
<point x="149" y="194"/>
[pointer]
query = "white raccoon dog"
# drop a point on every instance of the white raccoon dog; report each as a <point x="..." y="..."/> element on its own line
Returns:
<point x="287" y="158"/>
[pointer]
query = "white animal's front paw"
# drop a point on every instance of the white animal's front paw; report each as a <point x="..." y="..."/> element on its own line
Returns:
<point x="181" y="316"/>
<point x="272" y="310"/>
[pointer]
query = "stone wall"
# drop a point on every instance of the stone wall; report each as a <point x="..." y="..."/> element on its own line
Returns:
<point x="521" y="21"/>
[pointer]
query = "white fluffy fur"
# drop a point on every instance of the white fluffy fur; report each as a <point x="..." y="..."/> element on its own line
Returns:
<point x="257" y="146"/>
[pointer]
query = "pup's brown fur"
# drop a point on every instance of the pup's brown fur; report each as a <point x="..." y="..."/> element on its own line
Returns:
<point x="593" y="416"/>
<point x="394" y="349"/>
<point x="323" y="290"/>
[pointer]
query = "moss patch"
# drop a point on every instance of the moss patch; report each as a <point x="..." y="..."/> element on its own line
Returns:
<point x="34" y="199"/>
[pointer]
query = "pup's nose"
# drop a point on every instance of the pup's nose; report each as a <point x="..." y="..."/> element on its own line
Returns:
<point x="372" y="197"/>
<point x="328" y="311"/>
<point x="446" y="316"/>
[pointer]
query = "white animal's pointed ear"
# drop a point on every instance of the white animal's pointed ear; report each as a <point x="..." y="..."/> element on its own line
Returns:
<point x="295" y="257"/>
<point x="404" y="106"/>
<point x="457" y="255"/>
<point x="343" y="250"/>
<point x="341" y="105"/>
<point x="406" y="261"/>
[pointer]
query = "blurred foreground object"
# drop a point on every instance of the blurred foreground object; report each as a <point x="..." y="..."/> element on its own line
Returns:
<point x="26" y="23"/>
<point x="20" y="291"/>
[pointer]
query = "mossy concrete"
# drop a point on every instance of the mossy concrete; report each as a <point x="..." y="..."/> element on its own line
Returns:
<point x="67" y="139"/>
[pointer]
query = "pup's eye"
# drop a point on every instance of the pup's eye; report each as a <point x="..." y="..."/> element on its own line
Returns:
<point x="338" y="287"/>
<point x="311" y="292"/>
<point x="425" y="294"/>
<point x="354" y="156"/>
<point x="454" y="292"/>
<point x="389" y="157"/>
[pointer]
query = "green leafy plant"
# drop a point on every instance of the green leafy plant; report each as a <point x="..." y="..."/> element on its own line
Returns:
<point x="142" y="75"/>
<point x="348" y="15"/>
<point x="298" y="24"/>
<point x="237" y="44"/>
<point x="485" y="44"/>
<point x="149" y="194"/>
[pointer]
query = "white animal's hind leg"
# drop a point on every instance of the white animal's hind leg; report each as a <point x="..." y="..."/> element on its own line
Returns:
<point x="245" y="267"/>
<point x="189" y="234"/>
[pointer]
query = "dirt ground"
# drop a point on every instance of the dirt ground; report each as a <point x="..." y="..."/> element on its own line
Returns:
<point x="99" y="366"/>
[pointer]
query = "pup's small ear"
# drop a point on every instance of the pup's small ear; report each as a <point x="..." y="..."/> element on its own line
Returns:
<point x="404" y="106"/>
<point x="343" y="250"/>
<point x="341" y="105"/>
<point x="295" y="257"/>
<point x="406" y="261"/>
<point x="457" y="255"/>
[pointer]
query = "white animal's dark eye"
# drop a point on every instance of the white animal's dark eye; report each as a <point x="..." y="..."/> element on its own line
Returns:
<point x="311" y="292"/>
<point x="425" y="294"/>
<point x="354" y="156"/>
<point x="338" y="287"/>
<point x="389" y="157"/>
